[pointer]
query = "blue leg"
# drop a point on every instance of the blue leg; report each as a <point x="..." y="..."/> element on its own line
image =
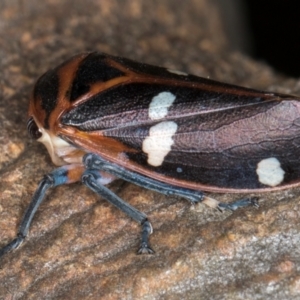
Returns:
<point x="55" y="178"/>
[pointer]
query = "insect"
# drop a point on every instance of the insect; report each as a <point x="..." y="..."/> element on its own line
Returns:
<point x="103" y="117"/>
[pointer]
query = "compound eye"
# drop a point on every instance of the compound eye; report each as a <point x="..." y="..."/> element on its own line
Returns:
<point x="33" y="130"/>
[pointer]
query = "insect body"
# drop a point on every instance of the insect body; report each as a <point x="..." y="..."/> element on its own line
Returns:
<point x="103" y="117"/>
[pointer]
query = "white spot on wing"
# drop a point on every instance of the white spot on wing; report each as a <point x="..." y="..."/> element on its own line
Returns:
<point x="160" y="104"/>
<point x="177" y="72"/>
<point x="158" y="144"/>
<point x="270" y="172"/>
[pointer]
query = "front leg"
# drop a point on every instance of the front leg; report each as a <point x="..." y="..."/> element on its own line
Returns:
<point x="63" y="175"/>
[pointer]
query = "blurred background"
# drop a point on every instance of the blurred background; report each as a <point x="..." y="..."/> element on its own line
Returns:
<point x="265" y="30"/>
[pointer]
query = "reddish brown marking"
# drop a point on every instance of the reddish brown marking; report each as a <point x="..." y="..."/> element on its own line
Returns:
<point x="75" y="172"/>
<point x="66" y="74"/>
<point x="94" y="140"/>
<point x="221" y="88"/>
<point x="132" y="77"/>
<point x="36" y="111"/>
<point x="100" y="87"/>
